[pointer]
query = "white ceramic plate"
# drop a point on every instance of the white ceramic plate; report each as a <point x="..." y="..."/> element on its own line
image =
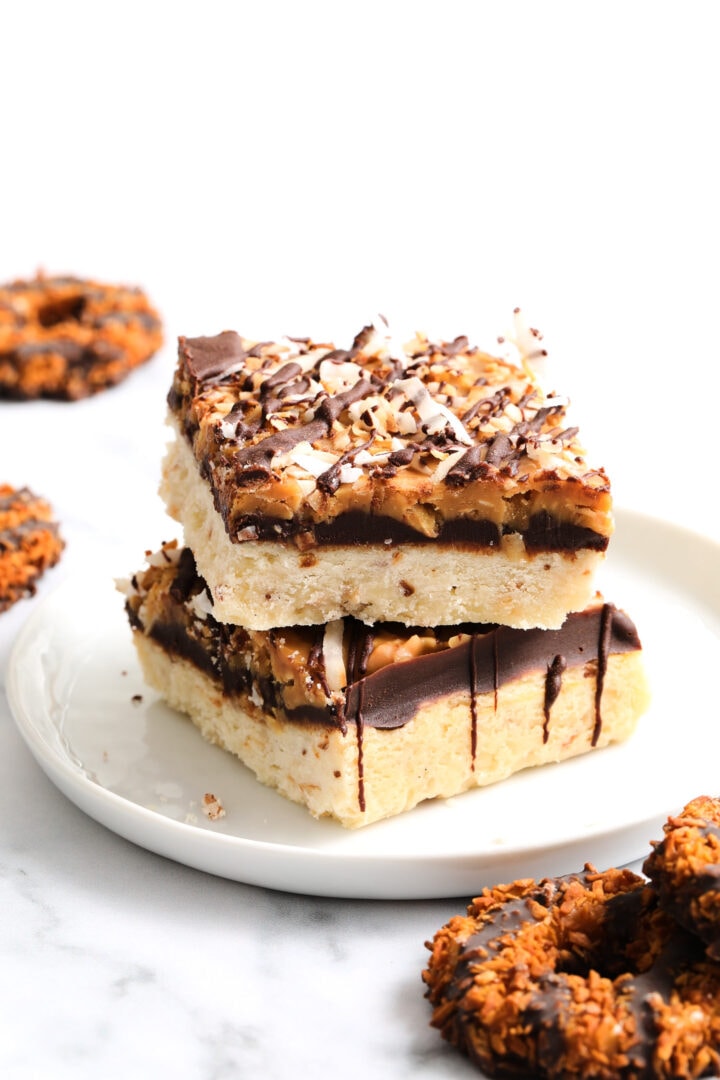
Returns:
<point x="141" y="769"/>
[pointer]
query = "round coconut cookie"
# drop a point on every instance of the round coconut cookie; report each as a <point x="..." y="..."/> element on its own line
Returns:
<point x="29" y="543"/>
<point x="67" y="337"/>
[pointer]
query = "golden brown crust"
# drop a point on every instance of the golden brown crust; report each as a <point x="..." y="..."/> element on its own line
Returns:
<point x="582" y="976"/>
<point x="68" y="338"/>
<point x="294" y="435"/>
<point x="29" y="543"/>
<point x="685" y="868"/>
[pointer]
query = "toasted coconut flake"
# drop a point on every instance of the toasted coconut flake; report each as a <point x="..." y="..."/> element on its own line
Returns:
<point x="201" y="605"/>
<point x="227" y="429"/>
<point x="315" y="462"/>
<point x="248" y="533"/>
<point x="349" y="474"/>
<point x="521" y="345"/>
<point x="445" y="466"/>
<point x="335" y="674"/>
<point x="337" y="377"/>
<point x="406" y="423"/>
<point x="166" y="555"/>
<point x="430" y="410"/>
<point x="126" y="586"/>
<point x="391" y="343"/>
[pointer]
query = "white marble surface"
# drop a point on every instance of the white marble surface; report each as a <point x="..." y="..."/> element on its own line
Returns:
<point x="236" y="160"/>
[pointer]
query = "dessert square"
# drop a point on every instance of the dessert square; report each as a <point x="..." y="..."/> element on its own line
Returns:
<point x="426" y="484"/>
<point x="360" y="723"/>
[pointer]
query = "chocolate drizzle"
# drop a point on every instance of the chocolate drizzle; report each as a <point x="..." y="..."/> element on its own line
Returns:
<point x="603" y="647"/>
<point x="329" y="481"/>
<point x="473" y="701"/>
<point x="359" y="648"/>
<point x="553" y="683"/>
<point x="255" y="461"/>
<point x="496" y="672"/>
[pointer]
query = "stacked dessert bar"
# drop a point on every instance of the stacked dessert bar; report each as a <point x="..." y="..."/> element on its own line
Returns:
<point x="386" y="592"/>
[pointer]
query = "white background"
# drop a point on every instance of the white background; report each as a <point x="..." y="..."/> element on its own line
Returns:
<point x="296" y="168"/>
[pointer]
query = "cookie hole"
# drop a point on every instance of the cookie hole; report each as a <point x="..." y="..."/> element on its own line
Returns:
<point x="69" y="309"/>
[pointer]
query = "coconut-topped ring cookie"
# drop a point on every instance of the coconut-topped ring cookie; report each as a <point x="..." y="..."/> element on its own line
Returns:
<point x="685" y="868"/>
<point x="68" y="337"/>
<point x="583" y="976"/>
<point x="29" y="543"/>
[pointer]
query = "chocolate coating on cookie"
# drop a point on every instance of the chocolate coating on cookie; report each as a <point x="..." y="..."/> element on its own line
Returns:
<point x="685" y="869"/>
<point x="67" y="338"/>
<point x="578" y="976"/>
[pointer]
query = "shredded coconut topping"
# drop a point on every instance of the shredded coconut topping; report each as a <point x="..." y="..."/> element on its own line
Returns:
<point x="325" y="418"/>
<point x="435" y="416"/>
<point x="522" y="345"/>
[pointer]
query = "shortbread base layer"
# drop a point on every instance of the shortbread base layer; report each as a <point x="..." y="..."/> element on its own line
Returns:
<point x="365" y="774"/>
<point x="263" y="584"/>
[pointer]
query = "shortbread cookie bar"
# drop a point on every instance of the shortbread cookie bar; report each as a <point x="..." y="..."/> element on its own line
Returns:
<point x="30" y="543"/>
<point x="359" y="723"/>
<point x="428" y="484"/>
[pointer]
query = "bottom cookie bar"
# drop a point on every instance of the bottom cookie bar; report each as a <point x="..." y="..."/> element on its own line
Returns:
<point x="29" y="543"/>
<point x="361" y="723"/>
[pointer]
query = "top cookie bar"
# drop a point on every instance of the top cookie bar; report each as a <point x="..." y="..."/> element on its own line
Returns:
<point x="427" y="484"/>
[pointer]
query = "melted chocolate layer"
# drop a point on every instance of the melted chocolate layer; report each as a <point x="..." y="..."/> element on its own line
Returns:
<point x="356" y="528"/>
<point x="392" y="694"/>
